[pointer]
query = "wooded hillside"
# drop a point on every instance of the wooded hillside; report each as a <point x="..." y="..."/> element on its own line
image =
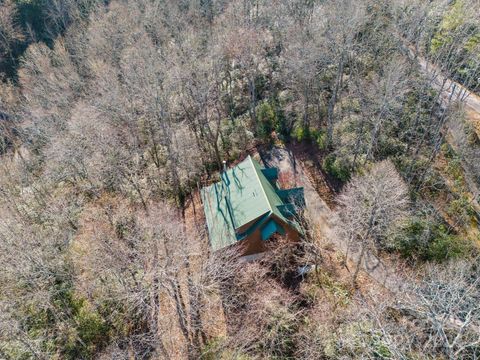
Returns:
<point x="114" y="114"/>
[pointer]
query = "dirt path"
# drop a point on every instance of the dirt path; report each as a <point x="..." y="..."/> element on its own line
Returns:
<point x="324" y="219"/>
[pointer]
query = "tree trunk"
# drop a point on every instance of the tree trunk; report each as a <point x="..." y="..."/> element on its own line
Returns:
<point x="333" y="101"/>
<point x="253" y="102"/>
<point x="358" y="265"/>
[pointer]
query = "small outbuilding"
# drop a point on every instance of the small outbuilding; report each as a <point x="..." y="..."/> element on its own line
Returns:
<point x="246" y="208"/>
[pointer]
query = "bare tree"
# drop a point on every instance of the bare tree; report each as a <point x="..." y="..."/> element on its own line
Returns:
<point x="341" y="43"/>
<point x="372" y="205"/>
<point x="244" y="47"/>
<point x="50" y="85"/>
<point x="9" y="124"/>
<point x="437" y="313"/>
<point x="163" y="277"/>
<point x="10" y="32"/>
<point x="446" y="303"/>
<point x="305" y="61"/>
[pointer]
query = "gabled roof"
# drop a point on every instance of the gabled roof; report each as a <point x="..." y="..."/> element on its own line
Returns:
<point x="243" y="196"/>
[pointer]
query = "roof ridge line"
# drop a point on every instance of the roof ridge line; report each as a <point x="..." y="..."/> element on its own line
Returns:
<point x="261" y="184"/>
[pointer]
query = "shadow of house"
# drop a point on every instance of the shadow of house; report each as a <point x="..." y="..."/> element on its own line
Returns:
<point x="246" y="208"/>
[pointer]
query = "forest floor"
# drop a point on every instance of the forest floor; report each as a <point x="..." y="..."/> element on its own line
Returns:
<point x="319" y="198"/>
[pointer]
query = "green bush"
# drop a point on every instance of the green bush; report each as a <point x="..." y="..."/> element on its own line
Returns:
<point x="357" y="339"/>
<point x="78" y="333"/>
<point x="319" y="137"/>
<point x="86" y="330"/>
<point x="447" y="151"/>
<point x="301" y="133"/>
<point x="90" y="326"/>
<point x="453" y="26"/>
<point x="461" y="210"/>
<point x="422" y="239"/>
<point x="445" y="246"/>
<point x="454" y="169"/>
<point x="266" y="120"/>
<point x="282" y="127"/>
<point x="216" y="350"/>
<point x="336" y="167"/>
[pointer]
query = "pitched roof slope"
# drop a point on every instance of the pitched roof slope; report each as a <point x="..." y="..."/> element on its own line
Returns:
<point x="243" y="195"/>
<point x="272" y="197"/>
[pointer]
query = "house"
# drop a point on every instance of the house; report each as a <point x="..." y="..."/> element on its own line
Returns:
<point x="247" y="208"/>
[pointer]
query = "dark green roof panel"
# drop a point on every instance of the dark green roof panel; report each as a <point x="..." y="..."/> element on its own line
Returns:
<point x="270" y="173"/>
<point x="295" y="196"/>
<point x="270" y="228"/>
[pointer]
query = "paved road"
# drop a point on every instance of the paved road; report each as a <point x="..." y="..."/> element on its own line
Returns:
<point x="450" y="89"/>
<point x="453" y="91"/>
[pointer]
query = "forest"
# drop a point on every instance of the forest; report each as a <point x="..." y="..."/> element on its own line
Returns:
<point x="115" y="113"/>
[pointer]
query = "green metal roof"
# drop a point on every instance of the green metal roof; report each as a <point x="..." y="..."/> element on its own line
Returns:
<point x="243" y="195"/>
